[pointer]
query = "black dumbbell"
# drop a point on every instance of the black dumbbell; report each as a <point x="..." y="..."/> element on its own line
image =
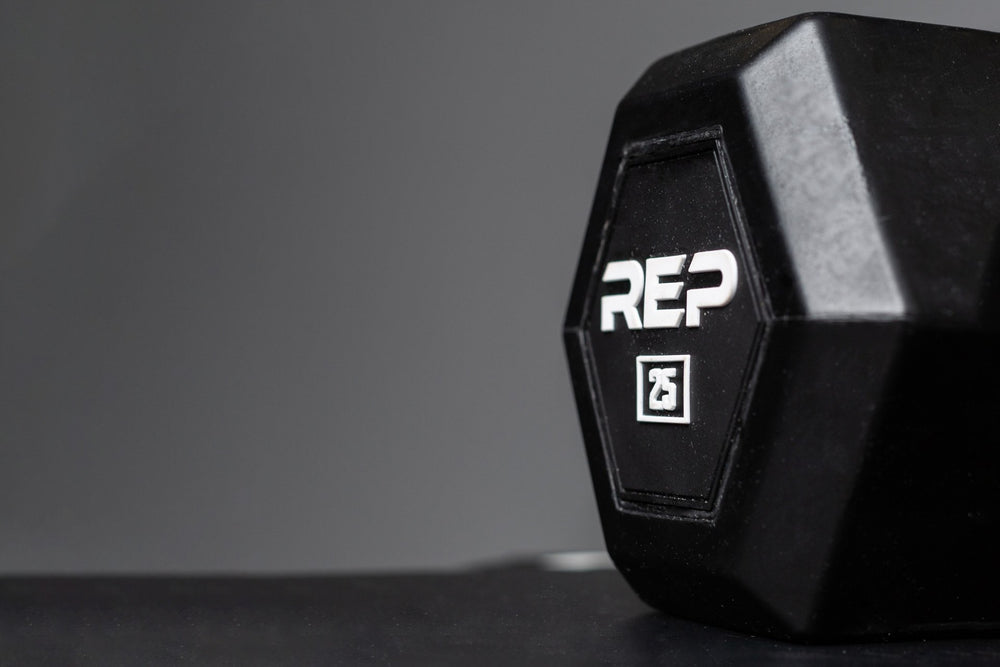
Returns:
<point x="783" y="333"/>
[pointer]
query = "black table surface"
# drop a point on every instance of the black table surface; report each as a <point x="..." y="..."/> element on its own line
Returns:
<point x="501" y="615"/>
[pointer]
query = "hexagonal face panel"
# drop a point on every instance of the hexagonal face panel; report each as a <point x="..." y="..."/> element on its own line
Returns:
<point x="673" y="320"/>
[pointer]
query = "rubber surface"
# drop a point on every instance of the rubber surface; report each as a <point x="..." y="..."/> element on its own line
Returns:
<point x="511" y="615"/>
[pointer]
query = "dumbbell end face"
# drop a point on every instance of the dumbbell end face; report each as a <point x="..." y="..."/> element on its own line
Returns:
<point x="783" y="333"/>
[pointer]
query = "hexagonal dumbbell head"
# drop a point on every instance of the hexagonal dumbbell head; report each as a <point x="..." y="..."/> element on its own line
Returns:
<point x="783" y="333"/>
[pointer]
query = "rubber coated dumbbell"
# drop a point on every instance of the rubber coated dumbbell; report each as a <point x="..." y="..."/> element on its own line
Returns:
<point x="784" y="332"/>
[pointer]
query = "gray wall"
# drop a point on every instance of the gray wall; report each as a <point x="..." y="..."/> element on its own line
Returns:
<point x="281" y="284"/>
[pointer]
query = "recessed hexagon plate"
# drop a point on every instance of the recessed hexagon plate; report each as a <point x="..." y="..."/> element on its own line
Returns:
<point x="672" y="329"/>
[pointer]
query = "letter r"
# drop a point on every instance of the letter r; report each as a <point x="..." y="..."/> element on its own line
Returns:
<point x="626" y="304"/>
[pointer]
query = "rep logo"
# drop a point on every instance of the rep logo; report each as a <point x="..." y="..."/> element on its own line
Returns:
<point x="645" y="285"/>
<point x="663" y="388"/>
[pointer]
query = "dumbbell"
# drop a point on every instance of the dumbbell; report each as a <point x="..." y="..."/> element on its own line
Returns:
<point x="784" y="331"/>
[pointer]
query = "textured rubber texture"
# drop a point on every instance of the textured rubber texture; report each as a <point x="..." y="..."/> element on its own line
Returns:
<point x="510" y="616"/>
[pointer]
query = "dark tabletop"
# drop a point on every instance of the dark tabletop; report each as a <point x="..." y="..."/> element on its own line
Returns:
<point x="505" y="615"/>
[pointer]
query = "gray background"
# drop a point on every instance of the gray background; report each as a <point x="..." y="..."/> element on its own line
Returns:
<point x="281" y="285"/>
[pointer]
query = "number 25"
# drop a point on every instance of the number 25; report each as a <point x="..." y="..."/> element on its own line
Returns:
<point x="664" y="394"/>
